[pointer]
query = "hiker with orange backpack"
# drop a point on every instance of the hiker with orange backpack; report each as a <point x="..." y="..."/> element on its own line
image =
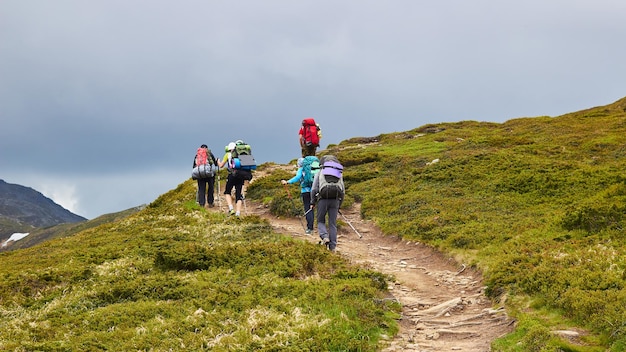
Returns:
<point x="310" y="134"/>
<point x="203" y="171"/>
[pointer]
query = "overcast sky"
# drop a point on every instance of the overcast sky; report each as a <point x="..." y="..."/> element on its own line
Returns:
<point x="104" y="102"/>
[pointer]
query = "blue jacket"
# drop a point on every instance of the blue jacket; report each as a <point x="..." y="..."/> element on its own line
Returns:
<point x="299" y="177"/>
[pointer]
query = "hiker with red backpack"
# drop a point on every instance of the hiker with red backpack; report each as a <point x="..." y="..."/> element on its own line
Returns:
<point x="327" y="193"/>
<point x="307" y="168"/>
<point x="310" y="135"/>
<point x="204" y="168"/>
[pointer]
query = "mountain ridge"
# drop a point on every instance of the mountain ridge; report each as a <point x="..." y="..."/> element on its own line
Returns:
<point x="24" y="209"/>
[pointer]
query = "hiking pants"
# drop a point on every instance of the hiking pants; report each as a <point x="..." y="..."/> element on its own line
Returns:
<point x="205" y="194"/>
<point x="328" y="207"/>
<point x="237" y="183"/>
<point x="306" y="202"/>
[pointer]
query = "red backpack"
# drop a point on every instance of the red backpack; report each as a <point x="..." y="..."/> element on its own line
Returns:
<point x="310" y="136"/>
<point x="202" y="156"/>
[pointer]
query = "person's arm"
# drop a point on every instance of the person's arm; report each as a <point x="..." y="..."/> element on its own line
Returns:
<point x="315" y="189"/>
<point x="223" y="162"/>
<point x="301" y="136"/>
<point x="343" y="194"/>
<point x="294" y="179"/>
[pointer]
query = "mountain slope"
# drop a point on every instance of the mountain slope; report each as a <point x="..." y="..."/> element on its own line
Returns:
<point x="537" y="204"/>
<point x="23" y="208"/>
<point x="174" y="277"/>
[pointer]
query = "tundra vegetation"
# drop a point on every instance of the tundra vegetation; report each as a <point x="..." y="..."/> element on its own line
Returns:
<point x="176" y="277"/>
<point x="537" y="204"/>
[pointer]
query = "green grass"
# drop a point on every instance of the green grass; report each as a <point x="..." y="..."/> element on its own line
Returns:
<point x="176" y="277"/>
<point x="537" y="204"/>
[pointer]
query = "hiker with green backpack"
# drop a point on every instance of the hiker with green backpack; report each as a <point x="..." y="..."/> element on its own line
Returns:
<point x="307" y="168"/>
<point x="240" y="163"/>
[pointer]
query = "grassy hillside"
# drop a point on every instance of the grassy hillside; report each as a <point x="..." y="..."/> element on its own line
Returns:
<point x="176" y="277"/>
<point x="538" y="204"/>
<point x="38" y="235"/>
<point x="10" y="226"/>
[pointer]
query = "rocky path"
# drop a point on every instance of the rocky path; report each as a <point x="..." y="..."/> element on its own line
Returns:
<point x="444" y="307"/>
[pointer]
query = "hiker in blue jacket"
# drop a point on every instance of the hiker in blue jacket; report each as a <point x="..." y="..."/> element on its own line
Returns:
<point x="305" y="193"/>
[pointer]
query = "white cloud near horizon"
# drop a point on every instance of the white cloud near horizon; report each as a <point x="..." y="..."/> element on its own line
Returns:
<point x="91" y="197"/>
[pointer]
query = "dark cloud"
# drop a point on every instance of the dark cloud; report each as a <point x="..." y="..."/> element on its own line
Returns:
<point x="121" y="93"/>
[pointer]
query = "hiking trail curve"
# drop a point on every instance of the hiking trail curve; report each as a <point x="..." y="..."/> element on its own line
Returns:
<point x="444" y="307"/>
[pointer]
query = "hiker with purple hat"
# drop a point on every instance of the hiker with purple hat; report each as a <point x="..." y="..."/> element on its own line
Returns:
<point x="327" y="194"/>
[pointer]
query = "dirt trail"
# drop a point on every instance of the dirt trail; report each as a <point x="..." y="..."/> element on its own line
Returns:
<point x="444" y="307"/>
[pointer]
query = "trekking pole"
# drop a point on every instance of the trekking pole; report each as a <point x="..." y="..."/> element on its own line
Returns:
<point x="219" y="198"/>
<point x="294" y="206"/>
<point x="245" y="208"/>
<point x="308" y="211"/>
<point x="357" y="232"/>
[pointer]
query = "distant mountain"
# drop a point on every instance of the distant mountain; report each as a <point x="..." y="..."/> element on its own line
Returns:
<point x="23" y="209"/>
<point x="39" y="235"/>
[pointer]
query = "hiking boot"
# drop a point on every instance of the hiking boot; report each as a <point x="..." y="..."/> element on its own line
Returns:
<point x="231" y="212"/>
<point x="211" y="205"/>
<point x="326" y="242"/>
<point x="308" y="231"/>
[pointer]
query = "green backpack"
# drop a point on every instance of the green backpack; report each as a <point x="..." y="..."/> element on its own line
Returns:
<point x="310" y="166"/>
<point x="241" y="156"/>
<point x="241" y="148"/>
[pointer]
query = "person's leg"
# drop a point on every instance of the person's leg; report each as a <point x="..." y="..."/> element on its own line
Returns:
<point x="333" y="210"/>
<point x="306" y="203"/>
<point x="210" y="190"/>
<point x="322" y="208"/>
<point x="227" y="193"/>
<point x="239" y="196"/>
<point x="201" y="191"/>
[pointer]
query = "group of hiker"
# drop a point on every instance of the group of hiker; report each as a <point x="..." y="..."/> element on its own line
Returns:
<point x="239" y="162"/>
<point x="321" y="180"/>
<point x="321" y="184"/>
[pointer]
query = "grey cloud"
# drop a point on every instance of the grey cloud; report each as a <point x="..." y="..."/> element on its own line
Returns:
<point x="110" y="88"/>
